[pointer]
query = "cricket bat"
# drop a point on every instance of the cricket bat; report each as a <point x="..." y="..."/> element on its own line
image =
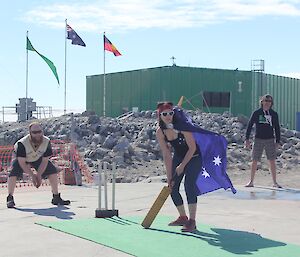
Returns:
<point x="180" y="102"/>
<point x="155" y="208"/>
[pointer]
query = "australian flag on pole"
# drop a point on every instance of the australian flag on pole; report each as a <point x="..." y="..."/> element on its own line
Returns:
<point x="212" y="175"/>
<point x="71" y="34"/>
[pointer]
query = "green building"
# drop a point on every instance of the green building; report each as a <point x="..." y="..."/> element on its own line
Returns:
<point x="212" y="90"/>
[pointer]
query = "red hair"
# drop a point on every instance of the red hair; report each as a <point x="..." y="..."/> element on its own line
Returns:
<point x="164" y="106"/>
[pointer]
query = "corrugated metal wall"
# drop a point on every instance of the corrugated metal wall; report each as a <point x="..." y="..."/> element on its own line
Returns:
<point x="144" y="88"/>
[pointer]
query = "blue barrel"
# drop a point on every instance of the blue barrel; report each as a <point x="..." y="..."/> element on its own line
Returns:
<point x="298" y="121"/>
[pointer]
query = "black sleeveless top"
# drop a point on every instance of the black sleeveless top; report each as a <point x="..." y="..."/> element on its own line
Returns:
<point x="180" y="146"/>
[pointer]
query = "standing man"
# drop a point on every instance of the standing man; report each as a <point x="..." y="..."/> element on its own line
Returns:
<point x="34" y="151"/>
<point x="266" y="122"/>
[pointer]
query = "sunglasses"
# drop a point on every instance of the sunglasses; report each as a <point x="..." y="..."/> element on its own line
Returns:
<point x="167" y="113"/>
<point x="268" y="101"/>
<point x="36" y="132"/>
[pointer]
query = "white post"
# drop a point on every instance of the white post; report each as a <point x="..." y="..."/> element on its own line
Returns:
<point x="65" y="95"/>
<point x="105" y="185"/>
<point x="113" y="185"/>
<point x="26" y="103"/>
<point x="99" y="186"/>
<point x="104" y="85"/>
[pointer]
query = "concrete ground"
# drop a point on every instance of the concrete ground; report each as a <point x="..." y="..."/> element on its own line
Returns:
<point x="272" y="213"/>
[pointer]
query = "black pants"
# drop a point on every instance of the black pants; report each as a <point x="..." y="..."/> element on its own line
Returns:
<point x="191" y="172"/>
<point x="17" y="171"/>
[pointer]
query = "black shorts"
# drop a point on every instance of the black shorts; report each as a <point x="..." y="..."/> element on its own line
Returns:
<point x="17" y="171"/>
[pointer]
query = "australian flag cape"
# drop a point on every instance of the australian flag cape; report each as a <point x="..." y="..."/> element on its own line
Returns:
<point x="213" y="146"/>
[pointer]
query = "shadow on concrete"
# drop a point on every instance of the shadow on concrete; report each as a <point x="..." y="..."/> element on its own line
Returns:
<point x="59" y="212"/>
<point x="237" y="242"/>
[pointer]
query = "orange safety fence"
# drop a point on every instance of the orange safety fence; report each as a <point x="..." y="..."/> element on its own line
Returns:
<point x="65" y="156"/>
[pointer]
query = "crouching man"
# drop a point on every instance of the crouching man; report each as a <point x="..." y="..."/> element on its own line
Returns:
<point x="34" y="151"/>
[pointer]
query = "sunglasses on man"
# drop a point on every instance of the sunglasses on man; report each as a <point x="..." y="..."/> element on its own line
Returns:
<point x="167" y="113"/>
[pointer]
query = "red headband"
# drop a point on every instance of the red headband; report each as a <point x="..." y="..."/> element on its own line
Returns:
<point x="163" y="107"/>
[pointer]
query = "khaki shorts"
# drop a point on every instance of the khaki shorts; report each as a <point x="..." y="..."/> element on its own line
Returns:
<point x="261" y="144"/>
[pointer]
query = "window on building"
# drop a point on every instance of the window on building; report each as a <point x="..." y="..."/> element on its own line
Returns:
<point x="216" y="99"/>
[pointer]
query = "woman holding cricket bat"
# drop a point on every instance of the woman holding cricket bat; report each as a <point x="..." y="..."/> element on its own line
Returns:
<point x="199" y="156"/>
<point x="183" y="163"/>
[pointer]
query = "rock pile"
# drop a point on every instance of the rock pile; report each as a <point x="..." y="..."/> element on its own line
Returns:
<point x="132" y="145"/>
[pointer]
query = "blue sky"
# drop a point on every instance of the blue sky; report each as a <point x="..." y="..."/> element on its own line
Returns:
<point x="214" y="34"/>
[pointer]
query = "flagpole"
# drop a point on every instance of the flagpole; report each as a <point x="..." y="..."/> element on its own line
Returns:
<point x="26" y="103"/>
<point x="65" y="94"/>
<point x="104" y="86"/>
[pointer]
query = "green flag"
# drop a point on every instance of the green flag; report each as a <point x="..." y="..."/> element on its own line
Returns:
<point x="50" y="64"/>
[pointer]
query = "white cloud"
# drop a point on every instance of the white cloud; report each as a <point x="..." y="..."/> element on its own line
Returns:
<point x="166" y="14"/>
